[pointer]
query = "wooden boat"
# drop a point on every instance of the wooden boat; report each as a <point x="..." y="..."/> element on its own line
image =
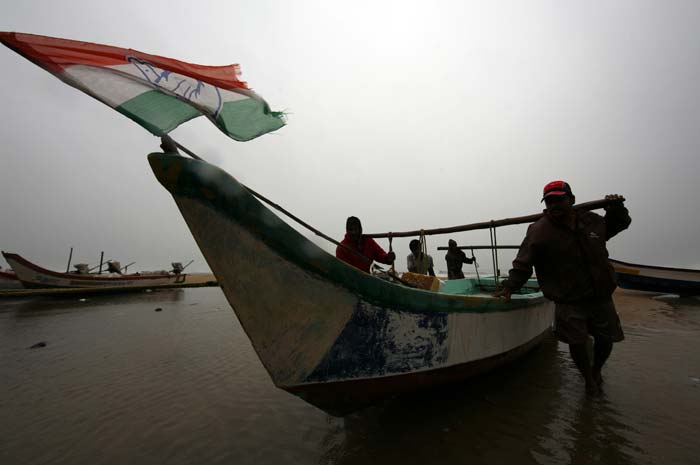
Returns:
<point x="33" y="276"/>
<point x="657" y="278"/>
<point x="325" y="331"/>
<point x="8" y="280"/>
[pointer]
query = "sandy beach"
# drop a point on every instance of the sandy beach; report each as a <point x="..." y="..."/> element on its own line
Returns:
<point x="648" y="310"/>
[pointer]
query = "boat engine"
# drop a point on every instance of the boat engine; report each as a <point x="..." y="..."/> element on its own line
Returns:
<point x="114" y="267"/>
<point x="82" y="268"/>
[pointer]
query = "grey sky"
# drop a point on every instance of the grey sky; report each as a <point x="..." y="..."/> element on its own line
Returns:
<point x="406" y="114"/>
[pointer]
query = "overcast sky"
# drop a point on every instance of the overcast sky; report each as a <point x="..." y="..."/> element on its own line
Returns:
<point x="407" y="114"/>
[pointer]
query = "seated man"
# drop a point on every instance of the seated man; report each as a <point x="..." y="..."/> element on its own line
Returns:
<point x="366" y="249"/>
<point x="417" y="261"/>
<point x="455" y="258"/>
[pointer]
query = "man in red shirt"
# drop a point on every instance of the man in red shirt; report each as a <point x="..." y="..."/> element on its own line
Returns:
<point x="367" y="248"/>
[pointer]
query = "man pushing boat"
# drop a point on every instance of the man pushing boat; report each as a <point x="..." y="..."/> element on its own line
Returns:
<point x="568" y="251"/>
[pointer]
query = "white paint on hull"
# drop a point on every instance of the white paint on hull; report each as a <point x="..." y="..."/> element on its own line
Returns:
<point x="475" y="336"/>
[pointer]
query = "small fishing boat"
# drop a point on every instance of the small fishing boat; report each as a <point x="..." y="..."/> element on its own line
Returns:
<point x="8" y="280"/>
<point x="649" y="278"/>
<point x="33" y="276"/>
<point x="327" y="332"/>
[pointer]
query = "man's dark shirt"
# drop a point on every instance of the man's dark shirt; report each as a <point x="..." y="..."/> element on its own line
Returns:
<point x="454" y="263"/>
<point x="571" y="265"/>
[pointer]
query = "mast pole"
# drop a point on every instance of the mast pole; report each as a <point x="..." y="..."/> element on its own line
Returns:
<point x="70" y="257"/>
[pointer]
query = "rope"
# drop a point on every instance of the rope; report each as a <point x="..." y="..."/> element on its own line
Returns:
<point x="422" y="264"/>
<point x="171" y="145"/>
<point x="495" y="254"/>
<point x="392" y="270"/>
<point x="476" y="267"/>
<point x="494" y="258"/>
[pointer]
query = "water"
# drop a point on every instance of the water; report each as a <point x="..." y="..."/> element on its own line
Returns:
<point x="121" y="383"/>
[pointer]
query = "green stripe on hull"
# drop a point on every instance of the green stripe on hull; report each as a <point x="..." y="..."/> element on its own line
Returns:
<point x="157" y="112"/>
<point x="216" y="189"/>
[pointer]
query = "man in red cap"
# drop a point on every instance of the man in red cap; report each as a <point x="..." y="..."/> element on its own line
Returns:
<point x="567" y="249"/>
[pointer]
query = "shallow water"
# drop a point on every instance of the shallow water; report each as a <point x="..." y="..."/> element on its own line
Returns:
<point x="118" y="382"/>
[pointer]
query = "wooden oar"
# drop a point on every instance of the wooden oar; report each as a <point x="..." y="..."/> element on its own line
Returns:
<point x="594" y="205"/>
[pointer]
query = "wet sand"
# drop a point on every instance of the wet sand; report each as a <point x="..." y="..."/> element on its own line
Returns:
<point x="119" y="382"/>
<point x="650" y="310"/>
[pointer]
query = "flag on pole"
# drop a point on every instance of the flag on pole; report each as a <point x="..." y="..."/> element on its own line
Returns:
<point x="156" y="92"/>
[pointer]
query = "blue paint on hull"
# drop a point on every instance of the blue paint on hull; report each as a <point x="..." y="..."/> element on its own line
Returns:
<point x="374" y="343"/>
<point x="650" y="284"/>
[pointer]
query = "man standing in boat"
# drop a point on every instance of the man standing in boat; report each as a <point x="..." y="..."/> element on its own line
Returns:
<point x="567" y="249"/>
<point x="417" y="261"/>
<point x="455" y="258"/>
<point x="366" y="249"/>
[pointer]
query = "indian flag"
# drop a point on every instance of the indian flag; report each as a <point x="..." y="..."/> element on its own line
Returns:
<point x="158" y="93"/>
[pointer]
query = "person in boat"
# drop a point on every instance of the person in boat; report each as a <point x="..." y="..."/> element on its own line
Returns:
<point x="417" y="261"/>
<point x="455" y="258"/>
<point x="366" y="250"/>
<point x="568" y="250"/>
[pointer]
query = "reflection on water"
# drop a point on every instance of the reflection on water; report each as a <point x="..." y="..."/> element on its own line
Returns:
<point x="119" y="382"/>
<point x="78" y="303"/>
<point x="532" y="412"/>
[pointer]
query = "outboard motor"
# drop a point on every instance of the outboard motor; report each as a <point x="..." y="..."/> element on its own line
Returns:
<point x="82" y="268"/>
<point x="114" y="267"/>
<point x="177" y="267"/>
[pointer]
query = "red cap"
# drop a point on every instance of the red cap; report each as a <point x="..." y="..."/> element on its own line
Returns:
<point x="557" y="188"/>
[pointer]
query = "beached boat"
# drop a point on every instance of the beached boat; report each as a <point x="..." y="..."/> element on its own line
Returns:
<point x="8" y="280"/>
<point x="33" y="276"/>
<point x="657" y="278"/>
<point x="333" y="335"/>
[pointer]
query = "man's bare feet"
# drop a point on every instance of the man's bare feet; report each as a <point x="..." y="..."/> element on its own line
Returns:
<point x="597" y="377"/>
<point x="592" y="389"/>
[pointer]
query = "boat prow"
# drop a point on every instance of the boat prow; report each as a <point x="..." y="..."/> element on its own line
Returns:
<point x="335" y="336"/>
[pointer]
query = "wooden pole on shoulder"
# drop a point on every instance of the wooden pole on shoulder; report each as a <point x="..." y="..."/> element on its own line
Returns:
<point x="593" y="205"/>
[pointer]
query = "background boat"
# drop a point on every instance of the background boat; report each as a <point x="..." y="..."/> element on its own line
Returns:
<point x="335" y="336"/>
<point x="657" y="278"/>
<point x="33" y="276"/>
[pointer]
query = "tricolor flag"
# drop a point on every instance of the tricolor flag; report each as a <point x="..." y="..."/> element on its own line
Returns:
<point x="158" y="93"/>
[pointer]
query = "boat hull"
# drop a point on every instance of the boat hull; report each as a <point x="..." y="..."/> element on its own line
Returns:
<point x="344" y="397"/>
<point x="320" y="326"/>
<point x="33" y="276"/>
<point x="657" y="279"/>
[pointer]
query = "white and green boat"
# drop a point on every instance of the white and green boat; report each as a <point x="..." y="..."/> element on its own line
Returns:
<point x="327" y="332"/>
